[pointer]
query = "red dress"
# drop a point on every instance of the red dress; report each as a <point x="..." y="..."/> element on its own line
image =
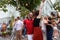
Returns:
<point x="37" y="30"/>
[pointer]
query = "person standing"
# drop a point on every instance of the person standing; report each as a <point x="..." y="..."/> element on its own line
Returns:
<point x="43" y="26"/>
<point x="38" y="35"/>
<point x="58" y="24"/>
<point x="49" y="29"/>
<point x="14" y="24"/>
<point x="55" y="30"/>
<point x="29" y="26"/>
<point x="18" y="28"/>
<point x="4" y="30"/>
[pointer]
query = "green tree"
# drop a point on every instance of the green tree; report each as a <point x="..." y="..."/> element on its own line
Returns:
<point x="57" y="6"/>
<point x="29" y="4"/>
<point x="24" y="6"/>
<point x="4" y="2"/>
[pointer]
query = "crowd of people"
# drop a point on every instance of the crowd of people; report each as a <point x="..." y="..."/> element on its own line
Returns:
<point x="36" y="27"/>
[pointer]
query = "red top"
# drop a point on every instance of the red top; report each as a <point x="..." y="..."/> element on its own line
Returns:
<point x="29" y="26"/>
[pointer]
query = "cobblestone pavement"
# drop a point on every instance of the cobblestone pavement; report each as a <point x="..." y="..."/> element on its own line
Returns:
<point x="8" y="38"/>
<point x="4" y="38"/>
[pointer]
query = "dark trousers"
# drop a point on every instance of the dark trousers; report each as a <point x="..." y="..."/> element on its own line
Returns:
<point x="50" y="34"/>
<point x="24" y="31"/>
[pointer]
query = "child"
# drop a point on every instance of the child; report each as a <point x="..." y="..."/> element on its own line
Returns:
<point x="55" y="30"/>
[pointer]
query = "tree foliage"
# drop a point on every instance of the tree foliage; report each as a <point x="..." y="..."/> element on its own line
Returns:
<point x="4" y="2"/>
<point x="29" y="4"/>
<point x="56" y="6"/>
<point x="24" y="5"/>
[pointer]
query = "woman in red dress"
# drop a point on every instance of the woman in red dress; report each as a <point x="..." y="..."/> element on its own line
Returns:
<point x="37" y="29"/>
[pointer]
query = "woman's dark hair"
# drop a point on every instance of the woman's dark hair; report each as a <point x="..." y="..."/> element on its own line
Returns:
<point x="49" y="18"/>
<point x="36" y="13"/>
<point x="52" y="14"/>
<point x="18" y="18"/>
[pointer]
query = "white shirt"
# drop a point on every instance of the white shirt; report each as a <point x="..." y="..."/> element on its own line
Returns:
<point x="43" y="24"/>
<point x="19" y="25"/>
<point x="55" y="28"/>
<point x="55" y="34"/>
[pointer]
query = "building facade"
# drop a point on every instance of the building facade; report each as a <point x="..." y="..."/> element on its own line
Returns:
<point x="46" y="8"/>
